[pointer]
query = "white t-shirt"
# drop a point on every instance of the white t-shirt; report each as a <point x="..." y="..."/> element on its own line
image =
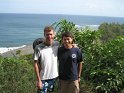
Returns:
<point x="48" y="60"/>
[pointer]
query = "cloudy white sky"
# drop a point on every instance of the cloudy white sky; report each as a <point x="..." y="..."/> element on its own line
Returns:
<point x="75" y="7"/>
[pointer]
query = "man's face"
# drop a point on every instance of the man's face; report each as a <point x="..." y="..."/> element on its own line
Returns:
<point x="67" y="41"/>
<point x="49" y="35"/>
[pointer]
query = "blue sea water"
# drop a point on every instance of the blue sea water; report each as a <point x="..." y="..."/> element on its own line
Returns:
<point x="23" y="29"/>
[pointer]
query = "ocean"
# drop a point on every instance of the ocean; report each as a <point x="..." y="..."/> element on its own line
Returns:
<point x="18" y="30"/>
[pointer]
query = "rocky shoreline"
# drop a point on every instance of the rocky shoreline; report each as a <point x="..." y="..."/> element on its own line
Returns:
<point x="28" y="49"/>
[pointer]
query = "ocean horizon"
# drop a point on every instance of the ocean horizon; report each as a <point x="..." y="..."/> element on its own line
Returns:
<point x="18" y="30"/>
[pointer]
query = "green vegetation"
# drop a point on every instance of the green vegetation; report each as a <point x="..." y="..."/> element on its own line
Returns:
<point x="103" y="68"/>
<point x="111" y="30"/>
<point x="17" y="75"/>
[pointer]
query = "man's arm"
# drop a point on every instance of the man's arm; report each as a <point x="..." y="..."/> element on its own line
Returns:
<point x="37" y="71"/>
<point x="80" y="65"/>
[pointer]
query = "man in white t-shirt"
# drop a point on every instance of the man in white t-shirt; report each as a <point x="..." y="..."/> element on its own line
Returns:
<point x="46" y="53"/>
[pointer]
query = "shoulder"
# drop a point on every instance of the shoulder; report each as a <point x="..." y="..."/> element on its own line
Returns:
<point x="61" y="48"/>
<point x="37" y="42"/>
<point x="76" y="49"/>
<point x="40" y="46"/>
<point x="55" y="43"/>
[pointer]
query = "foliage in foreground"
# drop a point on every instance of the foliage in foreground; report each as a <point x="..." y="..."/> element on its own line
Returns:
<point x="16" y="75"/>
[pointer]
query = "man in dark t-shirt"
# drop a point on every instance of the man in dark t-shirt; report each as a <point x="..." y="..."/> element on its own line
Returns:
<point x="70" y="65"/>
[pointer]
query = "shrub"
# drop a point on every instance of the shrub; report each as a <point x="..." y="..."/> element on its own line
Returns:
<point x="16" y="76"/>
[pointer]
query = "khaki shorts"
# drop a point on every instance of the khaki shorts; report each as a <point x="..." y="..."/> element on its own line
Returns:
<point x="68" y="86"/>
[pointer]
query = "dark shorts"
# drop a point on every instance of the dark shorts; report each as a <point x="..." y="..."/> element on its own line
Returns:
<point x="48" y="85"/>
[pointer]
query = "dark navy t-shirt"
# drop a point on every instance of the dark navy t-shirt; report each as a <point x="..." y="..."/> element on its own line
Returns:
<point x="68" y="63"/>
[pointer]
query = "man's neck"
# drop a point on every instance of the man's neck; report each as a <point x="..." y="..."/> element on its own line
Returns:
<point x="68" y="46"/>
<point x="48" y="43"/>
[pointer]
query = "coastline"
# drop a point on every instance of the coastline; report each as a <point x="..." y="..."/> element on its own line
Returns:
<point x="28" y="49"/>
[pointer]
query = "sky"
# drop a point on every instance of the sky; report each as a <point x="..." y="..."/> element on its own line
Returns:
<point x="113" y="8"/>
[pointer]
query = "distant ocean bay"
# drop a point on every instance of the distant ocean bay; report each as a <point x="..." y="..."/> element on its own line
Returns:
<point x="18" y="30"/>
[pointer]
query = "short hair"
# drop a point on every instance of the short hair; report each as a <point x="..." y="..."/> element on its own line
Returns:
<point x="48" y="28"/>
<point x="67" y="34"/>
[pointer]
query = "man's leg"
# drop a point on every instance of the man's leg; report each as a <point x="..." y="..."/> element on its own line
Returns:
<point x="51" y="85"/>
<point x="63" y="86"/>
<point x="74" y="87"/>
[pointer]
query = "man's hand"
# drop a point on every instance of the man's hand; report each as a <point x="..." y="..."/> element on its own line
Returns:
<point x="79" y="79"/>
<point x="75" y="45"/>
<point x="39" y="84"/>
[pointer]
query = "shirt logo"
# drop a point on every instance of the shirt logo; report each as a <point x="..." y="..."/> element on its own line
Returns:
<point x="73" y="55"/>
